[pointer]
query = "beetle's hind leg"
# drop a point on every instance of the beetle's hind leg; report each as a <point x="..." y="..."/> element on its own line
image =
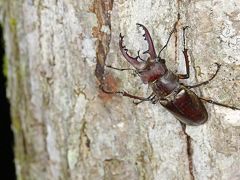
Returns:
<point x="219" y="104"/>
<point x="205" y="82"/>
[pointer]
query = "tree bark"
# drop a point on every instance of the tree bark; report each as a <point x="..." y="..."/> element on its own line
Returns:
<point x="66" y="128"/>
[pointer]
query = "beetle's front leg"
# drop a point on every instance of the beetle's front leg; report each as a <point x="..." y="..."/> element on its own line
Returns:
<point x="123" y="93"/>
<point x="120" y="69"/>
<point x="134" y="72"/>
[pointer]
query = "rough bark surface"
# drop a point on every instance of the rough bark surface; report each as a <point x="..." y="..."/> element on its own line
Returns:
<point x="66" y="128"/>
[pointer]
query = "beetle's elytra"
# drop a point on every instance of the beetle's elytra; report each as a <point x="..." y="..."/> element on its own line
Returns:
<point x="166" y="86"/>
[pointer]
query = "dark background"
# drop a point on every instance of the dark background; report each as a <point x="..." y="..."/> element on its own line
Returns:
<point x="7" y="170"/>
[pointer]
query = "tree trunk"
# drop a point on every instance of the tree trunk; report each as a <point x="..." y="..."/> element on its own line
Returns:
<point x="66" y="128"/>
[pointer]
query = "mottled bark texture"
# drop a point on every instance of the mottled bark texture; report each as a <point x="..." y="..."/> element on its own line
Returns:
<point x="66" y="128"/>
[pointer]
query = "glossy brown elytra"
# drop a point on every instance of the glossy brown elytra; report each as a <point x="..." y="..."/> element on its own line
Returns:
<point x="167" y="89"/>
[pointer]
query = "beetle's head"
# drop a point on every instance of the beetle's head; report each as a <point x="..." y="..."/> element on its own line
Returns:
<point x="149" y="70"/>
<point x="152" y="71"/>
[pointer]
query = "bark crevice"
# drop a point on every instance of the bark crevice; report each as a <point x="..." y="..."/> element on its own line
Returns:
<point x="102" y="10"/>
<point x="189" y="152"/>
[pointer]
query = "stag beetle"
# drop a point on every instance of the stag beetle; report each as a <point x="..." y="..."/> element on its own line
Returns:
<point x="167" y="89"/>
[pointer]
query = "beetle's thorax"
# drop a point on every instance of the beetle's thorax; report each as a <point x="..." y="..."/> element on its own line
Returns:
<point x="166" y="84"/>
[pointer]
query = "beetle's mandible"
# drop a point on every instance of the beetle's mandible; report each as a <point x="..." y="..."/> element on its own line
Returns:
<point x="167" y="89"/>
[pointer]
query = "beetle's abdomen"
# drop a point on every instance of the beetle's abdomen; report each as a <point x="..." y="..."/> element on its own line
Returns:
<point x="186" y="106"/>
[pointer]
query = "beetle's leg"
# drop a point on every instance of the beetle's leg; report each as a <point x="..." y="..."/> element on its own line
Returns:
<point x="149" y="98"/>
<point x="126" y="69"/>
<point x="134" y="73"/>
<point x="185" y="53"/>
<point x="208" y="81"/>
<point x="120" y="69"/>
<point x="123" y="93"/>
<point x="219" y="104"/>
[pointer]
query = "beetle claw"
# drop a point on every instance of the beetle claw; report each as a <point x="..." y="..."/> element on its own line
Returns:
<point x="147" y="37"/>
<point x="130" y="59"/>
<point x="134" y="61"/>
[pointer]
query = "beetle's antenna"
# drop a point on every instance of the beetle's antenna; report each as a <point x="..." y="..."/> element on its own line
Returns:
<point x="174" y="29"/>
<point x="139" y="56"/>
